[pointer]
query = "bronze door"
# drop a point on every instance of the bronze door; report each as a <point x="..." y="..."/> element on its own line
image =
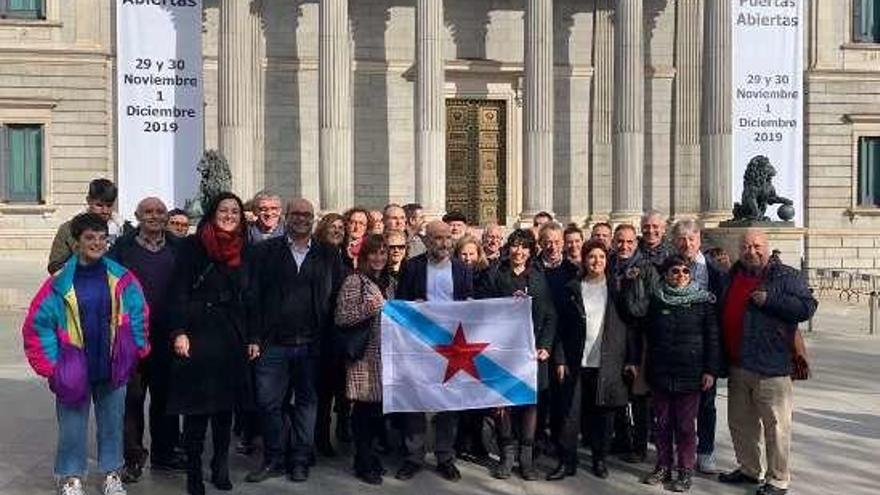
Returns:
<point x="475" y="160"/>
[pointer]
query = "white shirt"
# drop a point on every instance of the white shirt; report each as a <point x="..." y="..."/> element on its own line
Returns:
<point x="439" y="286"/>
<point x="299" y="254"/>
<point x="595" y="298"/>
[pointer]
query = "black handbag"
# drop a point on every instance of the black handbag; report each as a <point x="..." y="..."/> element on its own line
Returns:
<point x="352" y="339"/>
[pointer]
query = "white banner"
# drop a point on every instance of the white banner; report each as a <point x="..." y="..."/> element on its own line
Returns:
<point x="160" y="108"/>
<point x="768" y="67"/>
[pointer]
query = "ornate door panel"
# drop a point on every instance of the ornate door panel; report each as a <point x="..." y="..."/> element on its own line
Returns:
<point x="475" y="159"/>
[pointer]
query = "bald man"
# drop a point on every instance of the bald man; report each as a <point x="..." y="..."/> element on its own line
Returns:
<point x="433" y="276"/>
<point x="297" y="280"/>
<point x="150" y="253"/>
<point x="762" y="307"/>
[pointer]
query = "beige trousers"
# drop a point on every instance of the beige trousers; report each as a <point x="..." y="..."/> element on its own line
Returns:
<point x="759" y="412"/>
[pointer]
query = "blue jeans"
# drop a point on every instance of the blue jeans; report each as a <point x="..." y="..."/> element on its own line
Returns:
<point x="279" y="369"/>
<point x="73" y="426"/>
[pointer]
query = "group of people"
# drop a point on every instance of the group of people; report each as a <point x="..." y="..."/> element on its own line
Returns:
<point x="246" y="324"/>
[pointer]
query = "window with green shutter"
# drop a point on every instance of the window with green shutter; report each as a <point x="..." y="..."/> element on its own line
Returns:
<point x="23" y="9"/>
<point x="866" y="21"/>
<point x="21" y="147"/>
<point x="869" y="171"/>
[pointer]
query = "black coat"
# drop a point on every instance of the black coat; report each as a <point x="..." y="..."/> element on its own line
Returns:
<point x="501" y="282"/>
<point x="413" y="283"/>
<point x="619" y="344"/>
<point x="682" y="345"/>
<point x="322" y="269"/>
<point x="212" y="306"/>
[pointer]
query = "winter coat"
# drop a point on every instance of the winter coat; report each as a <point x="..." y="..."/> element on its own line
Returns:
<point x="619" y="344"/>
<point x="53" y="334"/>
<point x="501" y="282"/>
<point x="361" y="299"/>
<point x="768" y="331"/>
<point x="682" y="345"/>
<point x="211" y="305"/>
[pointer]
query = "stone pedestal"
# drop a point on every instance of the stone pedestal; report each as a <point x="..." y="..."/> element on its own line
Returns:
<point x="789" y="240"/>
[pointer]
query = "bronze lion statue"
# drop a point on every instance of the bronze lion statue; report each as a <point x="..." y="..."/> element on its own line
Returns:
<point x="758" y="191"/>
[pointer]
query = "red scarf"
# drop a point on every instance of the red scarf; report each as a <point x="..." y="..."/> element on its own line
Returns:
<point x="222" y="246"/>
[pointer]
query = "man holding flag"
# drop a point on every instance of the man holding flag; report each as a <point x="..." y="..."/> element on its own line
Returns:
<point x="433" y="276"/>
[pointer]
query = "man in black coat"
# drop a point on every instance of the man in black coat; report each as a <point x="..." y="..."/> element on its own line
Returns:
<point x="297" y="282"/>
<point x="433" y="276"/>
<point x="151" y="254"/>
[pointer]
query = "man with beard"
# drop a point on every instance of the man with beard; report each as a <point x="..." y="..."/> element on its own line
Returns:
<point x="433" y="276"/>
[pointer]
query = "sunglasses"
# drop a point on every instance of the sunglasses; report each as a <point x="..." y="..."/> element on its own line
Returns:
<point x="397" y="246"/>
<point x="679" y="271"/>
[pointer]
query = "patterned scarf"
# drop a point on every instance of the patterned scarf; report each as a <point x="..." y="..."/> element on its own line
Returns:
<point x="222" y="246"/>
<point x="682" y="296"/>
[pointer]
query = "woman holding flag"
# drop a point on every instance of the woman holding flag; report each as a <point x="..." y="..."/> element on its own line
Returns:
<point x="358" y="313"/>
<point x="516" y="277"/>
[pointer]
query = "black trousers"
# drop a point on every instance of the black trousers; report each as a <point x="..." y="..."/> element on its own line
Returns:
<point x="195" y="428"/>
<point x="153" y="377"/>
<point x="366" y="428"/>
<point x="577" y="400"/>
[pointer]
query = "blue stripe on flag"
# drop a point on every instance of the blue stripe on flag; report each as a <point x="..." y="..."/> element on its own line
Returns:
<point x="501" y="381"/>
<point x="491" y="373"/>
<point x="414" y="321"/>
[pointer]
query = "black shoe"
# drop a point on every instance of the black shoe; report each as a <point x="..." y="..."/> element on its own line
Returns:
<point x="448" y="471"/>
<point x="131" y="473"/>
<point x="508" y="456"/>
<point x="634" y="457"/>
<point x="194" y="483"/>
<point x="684" y="481"/>
<point x="369" y="476"/>
<point x="298" y="473"/>
<point x="768" y="489"/>
<point x="221" y="481"/>
<point x="527" y="463"/>
<point x="175" y="462"/>
<point x="264" y="473"/>
<point x="737" y="477"/>
<point x="408" y="470"/>
<point x="657" y="476"/>
<point x="600" y="469"/>
<point x="562" y="470"/>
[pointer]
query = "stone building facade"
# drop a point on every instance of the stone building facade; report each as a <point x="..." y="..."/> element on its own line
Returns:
<point x="594" y="109"/>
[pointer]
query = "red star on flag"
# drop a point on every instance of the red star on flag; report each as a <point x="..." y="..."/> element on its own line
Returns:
<point x="461" y="354"/>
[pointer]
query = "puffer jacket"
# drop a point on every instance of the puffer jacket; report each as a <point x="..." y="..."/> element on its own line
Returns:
<point x="53" y="335"/>
<point x="768" y="331"/>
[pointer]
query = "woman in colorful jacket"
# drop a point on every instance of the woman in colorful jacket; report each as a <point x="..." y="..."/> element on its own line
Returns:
<point x="85" y="331"/>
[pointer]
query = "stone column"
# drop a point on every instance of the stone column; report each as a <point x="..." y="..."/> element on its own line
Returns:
<point x="538" y="115"/>
<point x="336" y="152"/>
<point x="259" y="102"/>
<point x="716" y="134"/>
<point x="686" y="158"/>
<point x="430" y="116"/>
<point x="603" y="112"/>
<point x="629" y="112"/>
<point x="236" y="67"/>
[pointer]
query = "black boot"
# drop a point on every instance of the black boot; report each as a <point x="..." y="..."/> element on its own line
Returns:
<point x="527" y="462"/>
<point x="195" y="485"/>
<point x="220" y="471"/>
<point x="508" y="455"/>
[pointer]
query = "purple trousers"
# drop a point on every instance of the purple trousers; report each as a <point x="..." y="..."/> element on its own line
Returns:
<point x="675" y="427"/>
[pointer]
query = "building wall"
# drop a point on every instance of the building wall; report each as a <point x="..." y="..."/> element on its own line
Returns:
<point x="57" y="72"/>
<point x="843" y="102"/>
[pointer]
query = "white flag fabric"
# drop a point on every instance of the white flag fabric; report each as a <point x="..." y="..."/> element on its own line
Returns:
<point x="450" y="356"/>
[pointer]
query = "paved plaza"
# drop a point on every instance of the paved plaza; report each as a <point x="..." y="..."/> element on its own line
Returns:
<point x="836" y="432"/>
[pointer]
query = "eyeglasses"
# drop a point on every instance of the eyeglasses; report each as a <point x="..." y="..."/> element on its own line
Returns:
<point x="679" y="271"/>
<point x="397" y="246"/>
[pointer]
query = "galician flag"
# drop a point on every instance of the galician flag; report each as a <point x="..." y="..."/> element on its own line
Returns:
<point x="448" y="356"/>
